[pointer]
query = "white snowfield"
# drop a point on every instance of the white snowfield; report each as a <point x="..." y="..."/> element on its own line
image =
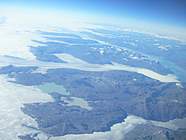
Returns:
<point x="75" y="63"/>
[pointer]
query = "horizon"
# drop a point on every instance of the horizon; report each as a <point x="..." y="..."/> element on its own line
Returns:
<point x="165" y="12"/>
<point x="56" y="16"/>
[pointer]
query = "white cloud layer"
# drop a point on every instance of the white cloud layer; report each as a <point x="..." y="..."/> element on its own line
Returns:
<point x="13" y="96"/>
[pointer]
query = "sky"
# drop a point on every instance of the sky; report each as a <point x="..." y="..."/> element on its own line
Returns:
<point x="170" y="12"/>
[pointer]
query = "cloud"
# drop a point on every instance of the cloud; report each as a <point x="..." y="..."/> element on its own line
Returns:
<point x="13" y="96"/>
<point x="2" y="19"/>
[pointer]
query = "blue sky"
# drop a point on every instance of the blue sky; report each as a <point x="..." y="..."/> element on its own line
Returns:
<point x="170" y="12"/>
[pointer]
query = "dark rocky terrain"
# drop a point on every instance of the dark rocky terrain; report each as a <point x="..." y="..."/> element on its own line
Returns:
<point x="149" y="132"/>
